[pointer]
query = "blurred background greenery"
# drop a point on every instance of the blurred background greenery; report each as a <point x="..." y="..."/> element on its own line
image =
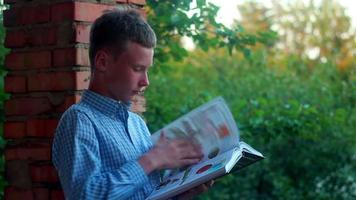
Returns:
<point x="289" y="79"/>
<point x="287" y="72"/>
<point x="3" y="97"/>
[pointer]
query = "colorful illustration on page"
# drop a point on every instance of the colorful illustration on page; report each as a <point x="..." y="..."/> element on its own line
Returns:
<point x="185" y="175"/>
<point x="223" y="131"/>
<point x="203" y="169"/>
<point x="217" y="166"/>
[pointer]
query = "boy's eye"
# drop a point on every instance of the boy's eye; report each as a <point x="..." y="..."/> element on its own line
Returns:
<point x="137" y="68"/>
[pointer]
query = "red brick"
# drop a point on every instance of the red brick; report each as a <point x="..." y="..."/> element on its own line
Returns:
<point x="14" y="61"/>
<point x="27" y="15"/>
<point x="15" y="84"/>
<point x="62" y="12"/>
<point x="40" y="152"/>
<point x="59" y="81"/>
<point x="15" y="39"/>
<point x="66" y="34"/>
<point x="34" y="37"/>
<point x="82" y="57"/>
<point x="42" y="14"/>
<point x="69" y="100"/>
<point x="14" y="130"/>
<point x="10" y="1"/>
<point x="82" y="80"/>
<point x="12" y="193"/>
<point x="41" y="193"/>
<point x="34" y="15"/>
<point x="38" y="59"/>
<point x="35" y="59"/>
<point x="27" y="106"/>
<point x="43" y="173"/>
<point x="96" y="10"/>
<point x="42" y="36"/>
<point x="64" y="57"/>
<point x="10" y="17"/>
<point x="57" y="195"/>
<point x="70" y="57"/>
<point x="18" y="173"/>
<point x="43" y="105"/>
<point x="41" y="127"/>
<point x="82" y="33"/>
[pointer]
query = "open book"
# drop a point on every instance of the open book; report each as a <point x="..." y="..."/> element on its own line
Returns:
<point x="213" y="127"/>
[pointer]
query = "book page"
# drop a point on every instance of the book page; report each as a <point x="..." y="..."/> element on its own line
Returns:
<point x="196" y="175"/>
<point x="211" y="125"/>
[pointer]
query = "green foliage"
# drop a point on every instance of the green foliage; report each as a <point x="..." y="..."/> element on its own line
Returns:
<point x="302" y="122"/>
<point x="171" y="21"/>
<point x="3" y="97"/>
<point x="300" y="113"/>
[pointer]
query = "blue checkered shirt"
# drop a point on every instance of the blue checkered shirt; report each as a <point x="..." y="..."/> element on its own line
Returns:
<point x="95" y="151"/>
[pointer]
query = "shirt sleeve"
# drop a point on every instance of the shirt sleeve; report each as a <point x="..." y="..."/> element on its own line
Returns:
<point x="76" y="156"/>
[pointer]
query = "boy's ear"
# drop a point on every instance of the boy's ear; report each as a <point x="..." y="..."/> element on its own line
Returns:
<point x="101" y="60"/>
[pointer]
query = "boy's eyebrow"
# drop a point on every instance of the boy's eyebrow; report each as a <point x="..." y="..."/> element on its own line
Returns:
<point x="143" y="66"/>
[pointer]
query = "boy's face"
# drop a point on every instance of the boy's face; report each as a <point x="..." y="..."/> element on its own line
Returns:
<point x="127" y="74"/>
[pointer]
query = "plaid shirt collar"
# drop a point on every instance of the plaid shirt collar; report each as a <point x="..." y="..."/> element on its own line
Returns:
<point x="105" y="104"/>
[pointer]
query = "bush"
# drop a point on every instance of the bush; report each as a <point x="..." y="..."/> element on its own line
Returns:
<point x="302" y="119"/>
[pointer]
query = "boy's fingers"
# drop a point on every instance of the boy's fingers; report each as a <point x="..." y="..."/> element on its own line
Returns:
<point x="186" y="162"/>
<point x="210" y="183"/>
<point x="196" y="191"/>
<point x="161" y="137"/>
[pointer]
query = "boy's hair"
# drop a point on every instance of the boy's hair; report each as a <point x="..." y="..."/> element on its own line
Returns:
<point x="115" y="28"/>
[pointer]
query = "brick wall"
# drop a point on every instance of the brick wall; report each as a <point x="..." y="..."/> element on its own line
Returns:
<point x="48" y="68"/>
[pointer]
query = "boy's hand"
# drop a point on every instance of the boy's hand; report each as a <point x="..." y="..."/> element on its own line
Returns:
<point x="196" y="191"/>
<point x="168" y="154"/>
